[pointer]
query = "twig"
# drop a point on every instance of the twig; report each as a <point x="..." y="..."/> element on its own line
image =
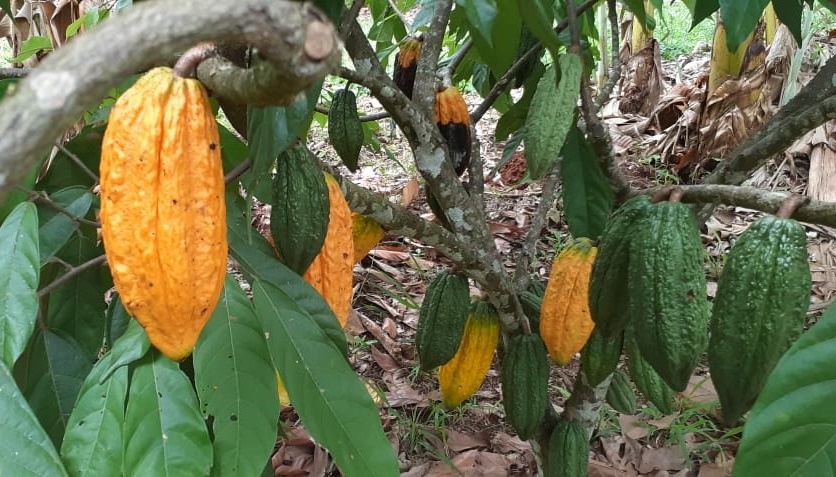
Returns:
<point x="44" y="198"/>
<point x="456" y="60"/>
<point x="77" y="160"/>
<point x="572" y="19"/>
<point x="363" y="119"/>
<point x="187" y="63"/>
<point x="9" y="73"/>
<point x="615" y="63"/>
<point x="400" y="15"/>
<point x="528" y="254"/>
<point x="101" y="259"/>
<point x="505" y="80"/>
<point x="236" y="171"/>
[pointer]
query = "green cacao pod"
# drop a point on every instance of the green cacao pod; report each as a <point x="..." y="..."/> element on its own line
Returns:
<point x="344" y="128"/>
<point x="441" y="319"/>
<point x="527" y="41"/>
<point x="600" y="356"/>
<point x="760" y="308"/>
<point x="608" y="295"/>
<point x="462" y="376"/>
<point x="552" y="114"/>
<point x="620" y="395"/>
<point x="568" y="450"/>
<point x="647" y="380"/>
<point x="525" y="382"/>
<point x="531" y="300"/>
<point x="300" y="214"/>
<point x="668" y="298"/>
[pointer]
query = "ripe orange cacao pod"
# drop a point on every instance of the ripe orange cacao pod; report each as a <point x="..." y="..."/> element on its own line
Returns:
<point x="162" y="208"/>
<point x="331" y="271"/>
<point x="565" y="321"/>
<point x="462" y="376"/>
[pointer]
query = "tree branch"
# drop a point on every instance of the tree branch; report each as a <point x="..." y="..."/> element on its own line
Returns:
<point x="8" y="73"/>
<point x="363" y="119"/>
<point x="615" y="63"/>
<point x="54" y="95"/>
<point x="101" y="259"/>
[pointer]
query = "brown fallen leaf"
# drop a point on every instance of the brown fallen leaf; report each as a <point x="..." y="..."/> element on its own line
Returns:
<point x="473" y="463"/>
<point x="598" y="469"/>
<point x="459" y="441"/>
<point x="663" y="458"/>
<point x="633" y="427"/>
<point x="410" y="191"/>
<point x="506" y="443"/>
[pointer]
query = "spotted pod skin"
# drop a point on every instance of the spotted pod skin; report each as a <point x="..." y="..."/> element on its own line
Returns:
<point x="600" y="356"/>
<point x="759" y="310"/>
<point x="647" y="380"/>
<point x="331" y="271"/>
<point x="525" y="382"/>
<point x="568" y="450"/>
<point x="453" y="120"/>
<point x="668" y="299"/>
<point x="462" y="376"/>
<point x="608" y="295"/>
<point x="565" y="322"/>
<point x="620" y="395"/>
<point x="162" y="208"/>
<point x="442" y="319"/>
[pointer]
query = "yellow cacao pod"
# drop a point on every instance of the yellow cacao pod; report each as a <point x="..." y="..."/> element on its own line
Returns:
<point x="162" y="208"/>
<point x="565" y="321"/>
<point x="331" y="271"/>
<point x="366" y="233"/>
<point x="462" y="376"/>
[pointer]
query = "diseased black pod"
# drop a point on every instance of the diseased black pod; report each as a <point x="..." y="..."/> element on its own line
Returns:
<point x="406" y="64"/>
<point x="453" y="120"/>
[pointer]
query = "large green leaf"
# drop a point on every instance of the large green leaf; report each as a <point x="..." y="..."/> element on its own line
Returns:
<point x="329" y="397"/>
<point x="236" y="384"/>
<point x="56" y="227"/>
<point x="739" y="19"/>
<point x="129" y="348"/>
<point x="257" y="260"/>
<point x="500" y="48"/>
<point x="789" y="13"/>
<point x="25" y="448"/>
<point x="19" y="275"/>
<point x="481" y="15"/>
<point x="702" y="10"/>
<point x="271" y="130"/>
<point x="77" y="306"/>
<point x="538" y="16"/>
<point x="93" y="442"/>
<point x="117" y="320"/>
<point x="792" y="428"/>
<point x="587" y="197"/>
<point x="164" y="433"/>
<point x="50" y="374"/>
<point x="21" y="193"/>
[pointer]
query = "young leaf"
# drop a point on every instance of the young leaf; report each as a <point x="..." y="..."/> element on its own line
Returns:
<point x="50" y="375"/>
<point x="93" y="442"/>
<point x="25" y="447"/>
<point x="332" y="402"/>
<point x="57" y="227"/>
<point x="791" y="429"/>
<point x="236" y="385"/>
<point x="587" y="197"/>
<point x="19" y="275"/>
<point x="164" y="433"/>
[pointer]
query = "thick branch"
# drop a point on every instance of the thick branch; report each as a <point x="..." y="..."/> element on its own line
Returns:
<point x="816" y="212"/>
<point x="7" y="73"/>
<point x="68" y="81"/>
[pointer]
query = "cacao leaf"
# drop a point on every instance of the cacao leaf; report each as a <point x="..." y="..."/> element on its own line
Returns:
<point x="56" y="227"/>
<point x="164" y="433"/>
<point x="19" y="276"/>
<point x="92" y="445"/>
<point x="791" y="429"/>
<point x="236" y="385"/>
<point x="329" y="397"/>
<point x="25" y="447"/>
<point x="587" y="197"/>
<point x="130" y="347"/>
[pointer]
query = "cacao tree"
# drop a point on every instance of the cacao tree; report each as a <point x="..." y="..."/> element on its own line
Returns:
<point x="90" y="383"/>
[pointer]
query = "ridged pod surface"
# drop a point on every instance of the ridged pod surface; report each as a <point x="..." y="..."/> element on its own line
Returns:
<point x="462" y="376"/>
<point x="366" y="234"/>
<point x="647" y="380"/>
<point x="406" y="64"/>
<point x="668" y="298"/>
<point x="331" y="272"/>
<point x="760" y="309"/>
<point x="162" y="208"/>
<point x="525" y="382"/>
<point x="345" y="130"/>
<point x="565" y="322"/>
<point x="608" y="295"/>
<point x="600" y="356"/>
<point x="299" y="216"/>
<point x="620" y="395"/>
<point x="453" y="120"/>
<point x="442" y="319"/>
<point x="568" y="450"/>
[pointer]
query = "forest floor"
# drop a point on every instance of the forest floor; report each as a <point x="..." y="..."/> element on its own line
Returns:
<point x="473" y="440"/>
